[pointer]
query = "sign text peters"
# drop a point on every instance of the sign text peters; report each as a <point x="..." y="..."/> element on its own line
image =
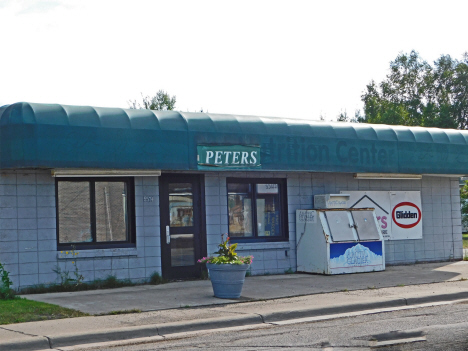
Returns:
<point x="236" y="156"/>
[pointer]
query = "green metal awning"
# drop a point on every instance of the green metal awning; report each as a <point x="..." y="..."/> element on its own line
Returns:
<point x="59" y="136"/>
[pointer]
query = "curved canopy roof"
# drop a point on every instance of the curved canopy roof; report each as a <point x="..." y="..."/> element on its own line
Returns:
<point x="61" y="136"/>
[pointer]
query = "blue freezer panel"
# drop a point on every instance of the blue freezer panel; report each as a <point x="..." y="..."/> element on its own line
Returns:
<point x="363" y="254"/>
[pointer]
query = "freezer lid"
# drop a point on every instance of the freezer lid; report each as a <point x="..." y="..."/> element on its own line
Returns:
<point x="365" y="225"/>
<point x="340" y="227"/>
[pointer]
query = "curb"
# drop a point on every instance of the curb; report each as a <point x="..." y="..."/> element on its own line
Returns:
<point x="128" y="333"/>
<point x="35" y="343"/>
<point x="316" y="312"/>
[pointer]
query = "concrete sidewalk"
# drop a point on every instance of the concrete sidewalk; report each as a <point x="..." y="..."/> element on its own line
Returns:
<point x="267" y="300"/>
<point x="200" y="293"/>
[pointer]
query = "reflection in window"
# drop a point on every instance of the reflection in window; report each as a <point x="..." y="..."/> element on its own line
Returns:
<point x="268" y="214"/>
<point x="240" y="209"/>
<point x="254" y="209"/>
<point x="182" y="250"/>
<point x="94" y="211"/>
<point x="111" y="214"/>
<point x="180" y="204"/>
<point x="74" y="212"/>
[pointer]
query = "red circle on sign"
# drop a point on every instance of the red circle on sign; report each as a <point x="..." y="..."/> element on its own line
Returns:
<point x="406" y="226"/>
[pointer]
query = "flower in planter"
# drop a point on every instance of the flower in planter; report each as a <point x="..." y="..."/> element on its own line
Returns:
<point x="226" y="254"/>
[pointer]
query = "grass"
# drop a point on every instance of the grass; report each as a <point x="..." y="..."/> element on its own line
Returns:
<point x="20" y="310"/>
<point x="465" y="240"/>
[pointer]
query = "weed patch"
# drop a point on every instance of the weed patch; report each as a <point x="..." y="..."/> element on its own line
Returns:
<point x="111" y="282"/>
<point x="156" y="279"/>
<point x="134" y="310"/>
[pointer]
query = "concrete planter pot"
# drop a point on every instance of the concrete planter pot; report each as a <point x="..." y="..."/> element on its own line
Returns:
<point x="227" y="279"/>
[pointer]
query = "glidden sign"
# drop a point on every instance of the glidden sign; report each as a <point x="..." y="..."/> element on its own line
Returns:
<point x="398" y="212"/>
<point x="406" y="215"/>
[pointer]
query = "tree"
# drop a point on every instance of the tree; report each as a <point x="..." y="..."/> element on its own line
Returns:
<point x="464" y="204"/>
<point x="344" y="117"/>
<point x="415" y="93"/>
<point x="161" y="101"/>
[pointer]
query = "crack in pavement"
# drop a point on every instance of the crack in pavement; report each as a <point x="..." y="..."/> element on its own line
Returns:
<point x="23" y="333"/>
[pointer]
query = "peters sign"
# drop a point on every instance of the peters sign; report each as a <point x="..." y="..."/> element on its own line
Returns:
<point x="228" y="156"/>
<point x="398" y="212"/>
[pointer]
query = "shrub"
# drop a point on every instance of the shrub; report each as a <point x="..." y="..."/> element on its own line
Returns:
<point x="6" y="292"/>
<point x="156" y="279"/>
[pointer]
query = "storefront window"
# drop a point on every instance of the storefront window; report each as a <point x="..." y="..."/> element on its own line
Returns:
<point x="94" y="213"/>
<point x="255" y="209"/>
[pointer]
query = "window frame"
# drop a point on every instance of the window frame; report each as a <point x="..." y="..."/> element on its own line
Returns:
<point x="282" y="184"/>
<point x="130" y="242"/>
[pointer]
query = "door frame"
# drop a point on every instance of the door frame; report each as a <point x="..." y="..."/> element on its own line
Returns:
<point x="198" y="180"/>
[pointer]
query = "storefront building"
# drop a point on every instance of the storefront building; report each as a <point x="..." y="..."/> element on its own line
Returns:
<point x="133" y="192"/>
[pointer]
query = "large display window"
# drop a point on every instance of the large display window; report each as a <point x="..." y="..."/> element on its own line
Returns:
<point x="95" y="213"/>
<point x="257" y="209"/>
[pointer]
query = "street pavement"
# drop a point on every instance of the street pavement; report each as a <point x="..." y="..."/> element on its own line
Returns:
<point x="188" y="306"/>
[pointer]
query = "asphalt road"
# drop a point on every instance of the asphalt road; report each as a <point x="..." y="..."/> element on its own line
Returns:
<point x="434" y="328"/>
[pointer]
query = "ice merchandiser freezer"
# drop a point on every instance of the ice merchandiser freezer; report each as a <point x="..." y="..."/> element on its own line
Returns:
<point x="338" y="241"/>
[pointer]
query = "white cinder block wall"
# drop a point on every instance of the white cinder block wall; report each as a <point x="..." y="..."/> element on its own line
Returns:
<point x="269" y="258"/>
<point x="28" y="244"/>
<point x="28" y="247"/>
<point x="442" y="231"/>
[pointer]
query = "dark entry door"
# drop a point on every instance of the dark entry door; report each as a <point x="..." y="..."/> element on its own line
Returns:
<point x="182" y="237"/>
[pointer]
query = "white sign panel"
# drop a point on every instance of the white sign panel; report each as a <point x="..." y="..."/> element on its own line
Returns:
<point x="267" y="188"/>
<point x="398" y="212"/>
<point x="306" y="216"/>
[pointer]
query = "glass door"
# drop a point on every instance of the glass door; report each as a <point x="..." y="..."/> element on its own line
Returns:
<point x="181" y="219"/>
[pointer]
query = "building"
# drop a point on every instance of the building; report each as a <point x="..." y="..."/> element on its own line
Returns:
<point x="132" y="192"/>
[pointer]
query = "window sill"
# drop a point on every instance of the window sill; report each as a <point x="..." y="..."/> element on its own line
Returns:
<point x="262" y="246"/>
<point x="97" y="253"/>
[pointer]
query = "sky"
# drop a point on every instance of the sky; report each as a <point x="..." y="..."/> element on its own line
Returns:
<point x="298" y="59"/>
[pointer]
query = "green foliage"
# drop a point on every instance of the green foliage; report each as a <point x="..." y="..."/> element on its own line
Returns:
<point x="161" y="101"/>
<point x="66" y="277"/>
<point x="464" y="204"/>
<point x="114" y="313"/>
<point x="6" y="292"/>
<point x="226" y="250"/>
<point x="226" y="254"/>
<point x="415" y="93"/>
<point x="156" y="279"/>
<point x="110" y="282"/>
<point x="344" y="117"/>
<point x="20" y="310"/>
<point x="465" y="239"/>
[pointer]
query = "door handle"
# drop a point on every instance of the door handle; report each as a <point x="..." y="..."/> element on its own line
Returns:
<point x="168" y="235"/>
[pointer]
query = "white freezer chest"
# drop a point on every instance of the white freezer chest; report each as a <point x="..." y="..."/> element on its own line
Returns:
<point x="337" y="241"/>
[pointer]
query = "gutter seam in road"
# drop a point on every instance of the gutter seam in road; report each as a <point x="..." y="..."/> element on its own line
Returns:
<point x="261" y="316"/>
<point x="49" y="341"/>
